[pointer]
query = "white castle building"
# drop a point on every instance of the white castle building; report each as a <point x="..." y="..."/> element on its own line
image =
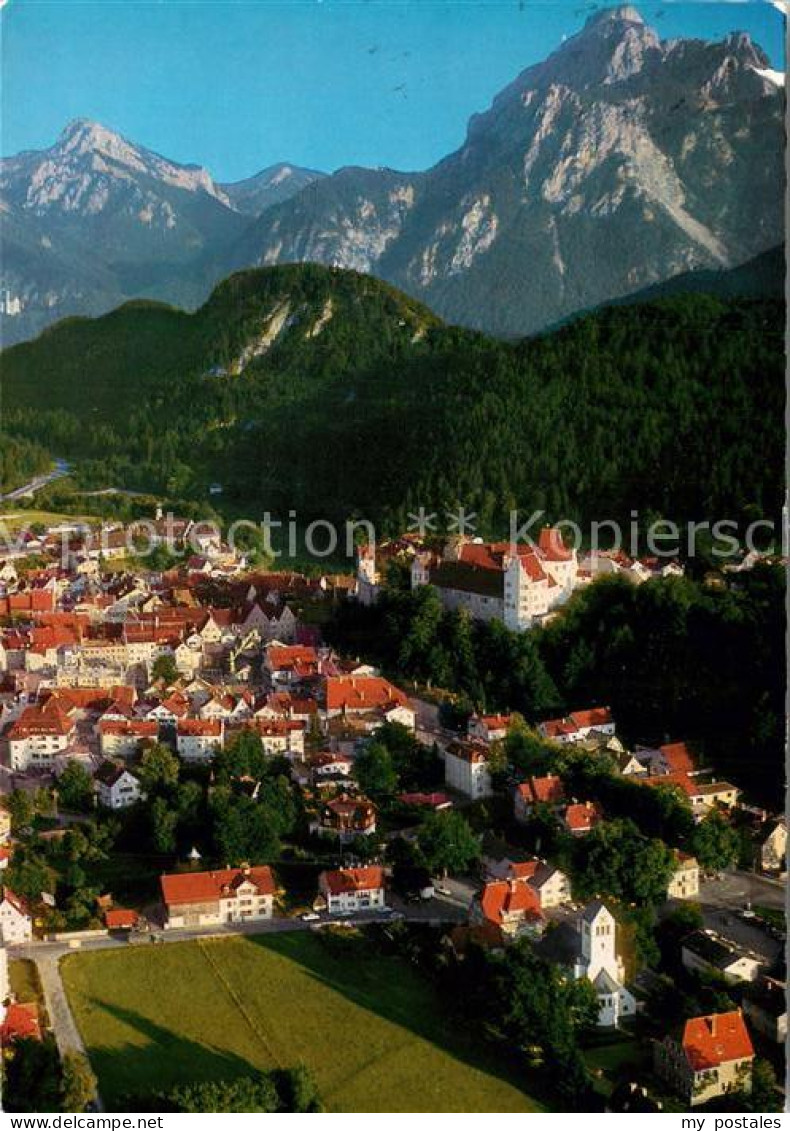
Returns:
<point x="518" y="584"/>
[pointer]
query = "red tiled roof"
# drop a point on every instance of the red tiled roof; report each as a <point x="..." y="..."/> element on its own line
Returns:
<point x="199" y="728"/>
<point x="552" y="546"/>
<point x="120" y="919"/>
<point x="30" y="601"/>
<point x="594" y="717"/>
<point x="208" y="887"/>
<point x="493" y="722"/>
<point x="362" y="693"/>
<point x="581" y="816"/>
<point x="716" y="1039"/>
<point x="501" y="898"/>
<point x="290" y="656"/>
<point x="15" y="900"/>
<point x="678" y="757"/>
<point x="353" y="879"/>
<point x="134" y="728"/>
<point x="51" y="719"/>
<point x="547" y="790"/>
<point x="552" y="728"/>
<point x="681" y="781"/>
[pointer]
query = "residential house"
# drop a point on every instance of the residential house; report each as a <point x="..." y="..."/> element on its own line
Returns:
<point x="116" y="786"/>
<point x="488" y="728"/>
<point x="354" y="695"/>
<point x="230" y="895"/>
<point x="702" y="796"/>
<point x="16" y="920"/>
<point x="197" y="740"/>
<point x="291" y="664"/>
<point x="546" y="790"/>
<point x="684" y="881"/>
<point x="122" y="738"/>
<point x="712" y="1056"/>
<point x="709" y="953"/>
<point x="346" y="817"/>
<point x="552" y="886"/>
<point x="578" y="725"/>
<point x="39" y="734"/>
<point x="279" y="736"/>
<point x="466" y="769"/>
<point x="580" y="817"/>
<point x="347" y="890"/>
<point x="512" y="906"/>
<point x="628" y="765"/>
<point x="328" y="767"/>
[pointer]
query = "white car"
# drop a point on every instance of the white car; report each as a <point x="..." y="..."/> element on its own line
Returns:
<point x="310" y="917"/>
<point x="440" y="889"/>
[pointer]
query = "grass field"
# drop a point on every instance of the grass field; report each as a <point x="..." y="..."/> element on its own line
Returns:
<point x="14" y="519"/>
<point x="371" y="1030"/>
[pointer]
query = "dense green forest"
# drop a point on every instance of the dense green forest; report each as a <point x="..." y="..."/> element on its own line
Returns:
<point x="331" y="393"/>
<point x="673" y="658"/>
<point x="20" y="460"/>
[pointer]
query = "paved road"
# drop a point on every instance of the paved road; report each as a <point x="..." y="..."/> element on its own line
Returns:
<point x="67" y="1035"/>
<point x="60" y="469"/>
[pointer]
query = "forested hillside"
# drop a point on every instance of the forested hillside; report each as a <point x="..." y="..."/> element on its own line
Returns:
<point x="20" y="460"/>
<point x="331" y="393"/>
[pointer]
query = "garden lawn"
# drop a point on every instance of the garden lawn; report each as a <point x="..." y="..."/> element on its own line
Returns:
<point x="369" y="1027"/>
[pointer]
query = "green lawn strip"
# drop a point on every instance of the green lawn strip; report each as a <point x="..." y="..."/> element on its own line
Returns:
<point x="370" y="1028"/>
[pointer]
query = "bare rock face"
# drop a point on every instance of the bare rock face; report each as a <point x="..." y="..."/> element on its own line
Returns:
<point x="620" y="161"/>
<point x="96" y="219"/>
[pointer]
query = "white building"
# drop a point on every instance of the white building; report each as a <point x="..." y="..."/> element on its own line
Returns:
<point x="684" y="881"/>
<point x="38" y="735"/>
<point x="517" y="583"/>
<point x="348" y="890"/>
<point x="588" y="949"/>
<point x="708" y="953"/>
<point x="116" y="787"/>
<point x="466" y="769"/>
<point x="230" y="895"/>
<point x="16" y="922"/>
<point x="197" y="740"/>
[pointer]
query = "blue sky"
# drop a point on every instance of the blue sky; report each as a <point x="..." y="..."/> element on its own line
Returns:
<point x="238" y="84"/>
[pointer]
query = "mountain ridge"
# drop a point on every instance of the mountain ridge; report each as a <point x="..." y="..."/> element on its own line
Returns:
<point x="330" y="393"/>
<point x="617" y="162"/>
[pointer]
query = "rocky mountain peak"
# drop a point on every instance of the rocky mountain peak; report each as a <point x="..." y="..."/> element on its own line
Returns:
<point x="624" y="13"/>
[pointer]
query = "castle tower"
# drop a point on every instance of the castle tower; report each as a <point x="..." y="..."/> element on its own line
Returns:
<point x="515" y="618"/>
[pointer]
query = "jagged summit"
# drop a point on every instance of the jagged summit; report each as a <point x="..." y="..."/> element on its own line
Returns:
<point x="623" y="13"/>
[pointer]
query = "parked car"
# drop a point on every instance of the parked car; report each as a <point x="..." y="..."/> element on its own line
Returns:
<point x="310" y="917"/>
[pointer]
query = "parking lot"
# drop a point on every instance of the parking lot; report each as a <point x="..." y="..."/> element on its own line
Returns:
<point x="724" y="900"/>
